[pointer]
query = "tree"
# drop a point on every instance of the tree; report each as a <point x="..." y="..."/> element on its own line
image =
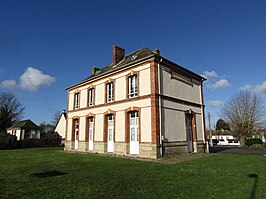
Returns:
<point x="46" y="128"/>
<point x="243" y="111"/>
<point x="222" y="125"/>
<point x="11" y="110"/>
<point x="56" y="117"/>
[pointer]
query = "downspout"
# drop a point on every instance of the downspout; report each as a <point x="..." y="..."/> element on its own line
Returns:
<point x="160" y="112"/>
<point x="206" y="148"/>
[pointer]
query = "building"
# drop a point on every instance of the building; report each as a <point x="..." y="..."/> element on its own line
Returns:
<point x="60" y="127"/>
<point x="139" y="105"/>
<point x="25" y="129"/>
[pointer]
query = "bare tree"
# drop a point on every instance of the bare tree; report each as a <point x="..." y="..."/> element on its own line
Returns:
<point x="11" y="110"/>
<point x="243" y="111"/>
<point x="56" y="117"/>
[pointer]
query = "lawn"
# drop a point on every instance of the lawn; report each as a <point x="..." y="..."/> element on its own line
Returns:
<point x="53" y="173"/>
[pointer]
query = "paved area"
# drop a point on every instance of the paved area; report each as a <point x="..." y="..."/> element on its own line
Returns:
<point x="234" y="150"/>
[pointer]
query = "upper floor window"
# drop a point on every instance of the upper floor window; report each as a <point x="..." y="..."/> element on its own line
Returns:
<point x="132" y="86"/>
<point x="91" y="97"/>
<point x="76" y="100"/>
<point x="110" y="92"/>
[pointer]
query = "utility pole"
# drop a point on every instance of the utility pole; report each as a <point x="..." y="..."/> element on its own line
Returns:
<point x="210" y="129"/>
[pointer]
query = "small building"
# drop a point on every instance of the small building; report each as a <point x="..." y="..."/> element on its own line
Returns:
<point x="225" y="138"/>
<point x="60" y="127"/>
<point x="25" y="129"/>
<point x="141" y="104"/>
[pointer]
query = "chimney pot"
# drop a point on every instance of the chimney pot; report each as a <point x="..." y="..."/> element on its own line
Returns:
<point x="118" y="54"/>
<point x="156" y="51"/>
<point x="94" y="70"/>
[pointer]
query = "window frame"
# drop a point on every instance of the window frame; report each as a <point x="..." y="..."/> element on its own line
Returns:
<point x="91" y="96"/>
<point x="76" y="100"/>
<point x="136" y="86"/>
<point x="110" y="97"/>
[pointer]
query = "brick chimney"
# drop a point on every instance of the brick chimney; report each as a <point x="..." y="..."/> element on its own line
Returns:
<point x="118" y="54"/>
<point x="94" y="70"/>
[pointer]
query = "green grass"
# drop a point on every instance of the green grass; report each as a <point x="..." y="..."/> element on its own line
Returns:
<point x="53" y="173"/>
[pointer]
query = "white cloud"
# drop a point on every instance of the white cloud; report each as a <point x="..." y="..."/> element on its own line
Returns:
<point x="223" y="83"/>
<point x="247" y="87"/>
<point x="210" y="74"/>
<point x="261" y="88"/>
<point x="8" y="84"/>
<point x="215" y="103"/>
<point x="33" y="78"/>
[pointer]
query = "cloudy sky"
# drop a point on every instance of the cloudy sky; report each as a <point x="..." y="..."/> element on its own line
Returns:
<point x="46" y="46"/>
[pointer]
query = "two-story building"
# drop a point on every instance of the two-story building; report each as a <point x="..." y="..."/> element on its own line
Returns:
<point x="141" y="104"/>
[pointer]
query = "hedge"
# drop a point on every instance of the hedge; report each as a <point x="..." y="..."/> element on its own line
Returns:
<point x="7" y="141"/>
<point x="249" y="142"/>
<point x="44" y="142"/>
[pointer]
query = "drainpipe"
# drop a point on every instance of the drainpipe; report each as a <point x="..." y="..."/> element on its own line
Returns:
<point x="160" y="114"/>
<point x="203" y="118"/>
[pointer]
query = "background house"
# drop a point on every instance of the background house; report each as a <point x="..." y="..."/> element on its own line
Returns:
<point x="25" y="129"/>
<point x="60" y="127"/>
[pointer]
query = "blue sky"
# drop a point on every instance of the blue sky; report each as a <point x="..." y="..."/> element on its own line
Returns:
<point x="48" y="45"/>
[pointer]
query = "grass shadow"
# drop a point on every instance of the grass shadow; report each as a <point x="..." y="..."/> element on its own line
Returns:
<point x="48" y="174"/>
<point x="254" y="187"/>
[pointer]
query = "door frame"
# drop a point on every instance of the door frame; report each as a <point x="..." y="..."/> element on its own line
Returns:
<point x="105" y="132"/>
<point x="193" y="130"/>
<point x="134" y="149"/>
<point x="87" y="136"/>
<point x="127" y="127"/>
<point x="110" y="144"/>
<point x="75" y="138"/>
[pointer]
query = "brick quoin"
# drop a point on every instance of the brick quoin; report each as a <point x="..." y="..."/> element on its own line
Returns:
<point x="154" y="103"/>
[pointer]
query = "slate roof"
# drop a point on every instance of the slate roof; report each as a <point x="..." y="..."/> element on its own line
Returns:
<point x="24" y="124"/>
<point x="132" y="58"/>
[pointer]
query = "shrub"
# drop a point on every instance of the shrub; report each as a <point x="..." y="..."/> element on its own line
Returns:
<point x="7" y="141"/>
<point x="44" y="142"/>
<point x="252" y="141"/>
<point x="257" y="146"/>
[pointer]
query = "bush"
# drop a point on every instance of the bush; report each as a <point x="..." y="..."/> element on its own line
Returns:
<point x="252" y="141"/>
<point x="7" y="141"/>
<point x="29" y="143"/>
<point x="257" y="146"/>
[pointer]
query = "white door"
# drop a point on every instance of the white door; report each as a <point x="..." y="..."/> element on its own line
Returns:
<point x="76" y="134"/>
<point x="134" y="129"/>
<point x="91" y="132"/>
<point x="110" y="144"/>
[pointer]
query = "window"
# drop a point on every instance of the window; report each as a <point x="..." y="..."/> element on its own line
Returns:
<point x="91" y="97"/>
<point x="110" y="92"/>
<point x="132" y="86"/>
<point x="76" y="100"/>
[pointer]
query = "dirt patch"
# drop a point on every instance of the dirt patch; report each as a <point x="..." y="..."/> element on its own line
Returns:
<point x="182" y="158"/>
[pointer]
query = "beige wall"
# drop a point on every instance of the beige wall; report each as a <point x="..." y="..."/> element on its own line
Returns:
<point x="178" y="89"/>
<point x="120" y="94"/>
<point x="146" y="124"/>
<point x="173" y="112"/>
<point x="120" y="87"/>
<point x="119" y="109"/>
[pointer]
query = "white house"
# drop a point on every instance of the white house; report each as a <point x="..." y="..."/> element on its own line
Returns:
<point x="60" y="127"/>
<point x="141" y="104"/>
<point x="226" y="140"/>
<point x="25" y="129"/>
